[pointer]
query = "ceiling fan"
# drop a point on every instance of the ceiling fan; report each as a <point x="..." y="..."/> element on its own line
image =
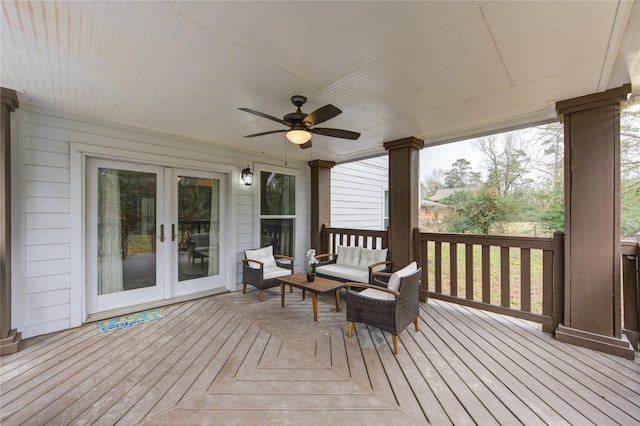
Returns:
<point x="301" y="125"/>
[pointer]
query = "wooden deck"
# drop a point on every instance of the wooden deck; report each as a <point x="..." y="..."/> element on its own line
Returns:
<point x="229" y="359"/>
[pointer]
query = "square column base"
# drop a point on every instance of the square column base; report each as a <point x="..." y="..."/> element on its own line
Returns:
<point x="610" y="345"/>
<point x="9" y="345"/>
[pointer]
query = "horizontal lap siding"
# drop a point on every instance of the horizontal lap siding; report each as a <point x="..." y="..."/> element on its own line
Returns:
<point x="47" y="226"/>
<point x="42" y="192"/>
<point x="357" y="191"/>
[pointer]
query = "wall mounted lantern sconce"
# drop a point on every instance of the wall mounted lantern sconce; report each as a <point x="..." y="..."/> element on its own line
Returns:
<point x="247" y="176"/>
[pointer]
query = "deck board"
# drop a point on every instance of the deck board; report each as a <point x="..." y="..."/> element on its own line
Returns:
<point x="234" y="359"/>
<point x="592" y="399"/>
<point x="466" y="360"/>
<point x="528" y="373"/>
<point x="515" y="397"/>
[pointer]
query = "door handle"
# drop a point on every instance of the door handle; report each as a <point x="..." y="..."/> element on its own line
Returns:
<point x="173" y="232"/>
<point x="162" y="233"/>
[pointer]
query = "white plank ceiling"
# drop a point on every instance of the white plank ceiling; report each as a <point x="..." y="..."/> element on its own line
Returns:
<point x="439" y="71"/>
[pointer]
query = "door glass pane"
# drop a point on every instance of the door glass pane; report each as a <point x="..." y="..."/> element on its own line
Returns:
<point x="126" y="230"/>
<point x="279" y="233"/>
<point x="198" y="227"/>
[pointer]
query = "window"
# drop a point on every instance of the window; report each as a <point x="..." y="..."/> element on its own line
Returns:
<point x="277" y="211"/>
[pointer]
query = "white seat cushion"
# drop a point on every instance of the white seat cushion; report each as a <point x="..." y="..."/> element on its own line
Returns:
<point x="275" y="272"/>
<point x="377" y="294"/>
<point x="264" y="255"/>
<point x="394" y="280"/>
<point x="348" y="256"/>
<point x="371" y="256"/>
<point x="344" y="272"/>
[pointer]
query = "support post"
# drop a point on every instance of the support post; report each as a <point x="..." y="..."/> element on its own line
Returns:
<point x="9" y="338"/>
<point x="404" y="181"/>
<point x="592" y="315"/>
<point x="320" y="199"/>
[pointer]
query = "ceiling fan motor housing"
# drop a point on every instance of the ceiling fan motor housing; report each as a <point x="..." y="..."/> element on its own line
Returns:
<point x="298" y="100"/>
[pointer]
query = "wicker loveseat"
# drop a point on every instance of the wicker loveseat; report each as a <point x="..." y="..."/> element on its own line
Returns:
<point x="353" y="263"/>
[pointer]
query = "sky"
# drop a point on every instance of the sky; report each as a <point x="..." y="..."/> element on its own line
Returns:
<point x="442" y="156"/>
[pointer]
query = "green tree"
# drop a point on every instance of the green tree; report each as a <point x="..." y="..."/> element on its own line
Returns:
<point x="507" y="161"/>
<point x="629" y="174"/>
<point x="549" y="157"/>
<point x="476" y="212"/>
<point x="431" y="183"/>
<point x="461" y="175"/>
<point x="551" y="199"/>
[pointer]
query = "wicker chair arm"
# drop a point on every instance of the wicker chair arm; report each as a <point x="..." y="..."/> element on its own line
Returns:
<point x="246" y="262"/>
<point x="374" y="265"/>
<point x="282" y="256"/>
<point x="324" y="255"/>
<point x="375" y="287"/>
<point x="382" y="274"/>
<point x="380" y="277"/>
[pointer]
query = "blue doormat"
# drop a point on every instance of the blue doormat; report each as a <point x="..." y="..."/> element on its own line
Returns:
<point x="122" y="322"/>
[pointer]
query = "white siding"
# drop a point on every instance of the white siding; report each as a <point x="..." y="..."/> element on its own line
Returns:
<point x="46" y="285"/>
<point x="357" y="191"/>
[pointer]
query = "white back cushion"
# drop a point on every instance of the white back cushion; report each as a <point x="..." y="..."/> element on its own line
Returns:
<point x="264" y="255"/>
<point x="348" y="256"/>
<point x="394" y="280"/>
<point x="371" y="256"/>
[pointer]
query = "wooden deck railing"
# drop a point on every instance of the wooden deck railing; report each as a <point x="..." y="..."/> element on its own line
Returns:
<point x="518" y="276"/>
<point x="332" y="237"/>
<point x="631" y="291"/>
<point x="534" y="292"/>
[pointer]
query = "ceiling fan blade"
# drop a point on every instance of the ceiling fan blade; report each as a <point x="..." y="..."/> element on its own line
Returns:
<point x="266" y="133"/>
<point x="263" y="115"/>
<point x="306" y="145"/>
<point x="336" y="133"/>
<point x="321" y="115"/>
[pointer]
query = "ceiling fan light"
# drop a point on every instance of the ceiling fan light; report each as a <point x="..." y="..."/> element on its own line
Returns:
<point x="298" y="136"/>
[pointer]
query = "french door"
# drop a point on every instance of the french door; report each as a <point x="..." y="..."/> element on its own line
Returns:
<point x="197" y="231"/>
<point x="153" y="233"/>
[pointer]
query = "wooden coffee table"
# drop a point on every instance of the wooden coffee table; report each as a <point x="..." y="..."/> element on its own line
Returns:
<point x="318" y="286"/>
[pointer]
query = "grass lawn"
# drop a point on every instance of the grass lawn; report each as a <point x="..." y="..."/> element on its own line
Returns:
<point x="514" y="281"/>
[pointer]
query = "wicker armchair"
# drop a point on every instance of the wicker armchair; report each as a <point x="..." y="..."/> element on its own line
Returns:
<point x="386" y="308"/>
<point x="261" y="269"/>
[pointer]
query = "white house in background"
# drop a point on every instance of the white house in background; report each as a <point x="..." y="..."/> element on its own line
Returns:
<point x="360" y="194"/>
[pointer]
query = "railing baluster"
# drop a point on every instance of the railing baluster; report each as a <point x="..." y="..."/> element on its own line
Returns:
<point x="505" y="265"/>
<point x="486" y="274"/>
<point x="525" y="280"/>
<point x="425" y="267"/>
<point x="438" y="266"/>
<point x="453" y="269"/>
<point x="547" y="282"/>
<point x="468" y="255"/>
